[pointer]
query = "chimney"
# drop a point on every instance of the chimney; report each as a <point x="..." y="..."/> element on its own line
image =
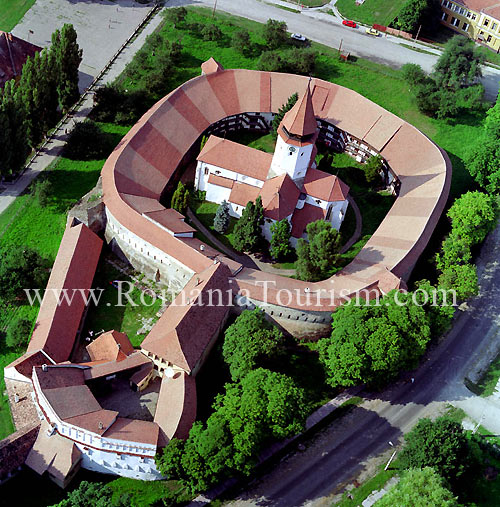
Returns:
<point x="44" y="367"/>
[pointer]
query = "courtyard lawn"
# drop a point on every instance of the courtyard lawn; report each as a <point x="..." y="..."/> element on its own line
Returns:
<point x="12" y="11"/>
<point x="123" y="316"/>
<point x="381" y="12"/>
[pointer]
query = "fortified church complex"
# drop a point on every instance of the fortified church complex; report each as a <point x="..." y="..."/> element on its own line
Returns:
<point x="75" y="430"/>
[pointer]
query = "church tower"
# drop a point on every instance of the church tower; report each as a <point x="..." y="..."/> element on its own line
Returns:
<point x="297" y="135"/>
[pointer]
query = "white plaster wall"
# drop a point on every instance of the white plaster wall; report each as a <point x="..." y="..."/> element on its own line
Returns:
<point x="295" y="164"/>
<point x="266" y="228"/>
<point x="313" y="201"/>
<point x="201" y="179"/>
<point x="217" y="194"/>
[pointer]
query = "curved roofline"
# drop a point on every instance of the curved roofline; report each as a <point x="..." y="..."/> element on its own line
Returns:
<point x="149" y="155"/>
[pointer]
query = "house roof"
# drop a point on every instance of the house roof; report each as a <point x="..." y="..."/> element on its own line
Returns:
<point x="133" y="430"/>
<point x="324" y="186"/>
<point x="54" y="454"/>
<point x="301" y="217"/>
<point x="183" y="333"/>
<point x="300" y="120"/>
<point x="176" y="407"/>
<point x="220" y="181"/>
<point x="24" y="364"/>
<point x="490" y="7"/>
<point x="211" y="65"/>
<point x="13" y="54"/>
<point x="103" y="369"/>
<point x="279" y="197"/>
<point x="236" y="157"/>
<point x="110" y="346"/>
<point x="242" y="193"/>
<point x="74" y="268"/>
<point x="97" y="422"/>
<point x="170" y="219"/>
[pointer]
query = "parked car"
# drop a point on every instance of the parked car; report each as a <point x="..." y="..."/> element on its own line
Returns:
<point x="350" y="23"/>
<point x="299" y="37"/>
<point x="372" y="31"/>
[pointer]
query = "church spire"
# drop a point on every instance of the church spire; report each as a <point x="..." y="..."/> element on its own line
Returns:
<point x="300" y="120"/>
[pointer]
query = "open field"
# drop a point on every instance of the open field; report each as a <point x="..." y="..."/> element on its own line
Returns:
<point x="12" y="11"/>
<point x="381" y="12"/>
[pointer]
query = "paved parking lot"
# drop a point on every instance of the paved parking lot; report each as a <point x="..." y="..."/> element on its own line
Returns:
<point x="102" y="27"/>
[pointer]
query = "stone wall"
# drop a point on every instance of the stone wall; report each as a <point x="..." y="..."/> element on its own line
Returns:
<point x="15" y="449"/>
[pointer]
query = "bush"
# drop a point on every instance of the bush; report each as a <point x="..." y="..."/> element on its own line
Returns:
<point x="41" y="190"/>
<point x="180" y="199"/>
<point x="176" y="15"/>
<point x="18" y="333"/>
<point x="221" y="219"/>
<point x="270" y="61"/>
<point x="299" y="61"/>
<point x="413" y="74"/>
<point x="211" y="32"/>
<point x="275" y="33"/>
<point x="240" y="41"/>
<point x="86" y="142"/>
<point x="373" y="170"/>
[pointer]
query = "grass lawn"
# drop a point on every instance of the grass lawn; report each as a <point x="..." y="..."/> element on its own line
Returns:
<point x="490" y="379"/>
<point x="126" y="318"/>
<point x="381" y="12"/>
<point x="12" y="11"/>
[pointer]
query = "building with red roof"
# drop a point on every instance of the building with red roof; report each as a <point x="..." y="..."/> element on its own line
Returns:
<point x="285" y="181"/>
<point x="13" y="55"/>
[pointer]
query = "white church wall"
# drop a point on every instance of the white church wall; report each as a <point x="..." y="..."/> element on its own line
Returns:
<point x="204" y="170"/>
<point x="217" y="194"/>
<point x="294" y="162"/>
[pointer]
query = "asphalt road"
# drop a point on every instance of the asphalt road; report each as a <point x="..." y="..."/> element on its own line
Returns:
<point x="328" y="30"/>
<point x="343" y="450"/>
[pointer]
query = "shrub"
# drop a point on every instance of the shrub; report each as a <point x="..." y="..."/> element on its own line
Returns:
<point x="221" y="219"/>
<point x="275" y="33"/>
<point x="86" y="142"/>
<point x="18" y="333"/>
<point x="180" y="199"/>
<point x="241" y="41"/>
<point x="41" y="190"/>
<point x="270" y="61"/>
<point x="211" y="32"/>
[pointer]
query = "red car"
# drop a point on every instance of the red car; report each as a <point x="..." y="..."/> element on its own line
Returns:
<point x="347" y="22"/>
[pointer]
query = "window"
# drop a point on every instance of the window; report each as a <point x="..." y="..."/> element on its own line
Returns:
<point x="486" y="22"/>
<point x="455" y="21"/>
<point x="444" y="16"/>
<point x="494" y="26"/>
<point x="206" y="171"/>
<point x="488" y="39"/>
<point x="465" y="27"/>
<point x="473" y="17"/>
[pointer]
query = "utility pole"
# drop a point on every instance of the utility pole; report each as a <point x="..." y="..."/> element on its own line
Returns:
<point x="215" y="7"/>
<point x="340" y="46"/>
<point x="418" y="32"/>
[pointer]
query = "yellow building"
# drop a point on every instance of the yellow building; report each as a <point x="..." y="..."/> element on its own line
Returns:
<point x="478" y="19"/>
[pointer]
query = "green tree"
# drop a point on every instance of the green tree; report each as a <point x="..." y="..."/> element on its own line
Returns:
<point x="459" y="65"/>
<point x="20" y="269"/>
<point x="180" y="199"/>
<point x="373" y="170"/>
<point x="250" y="341"/>
<point x="371" y="343"/>
<point x="270" y="61"/>
<point x="18" y="333"/>
<point x="280" y="239"/>
<point x="461" y="278"/>
<point x="473" y="215"/>
<point x="176" y="15"/>
<point x="275" y="33"/>
<point x="443" y="445"/>
<point x="41" y="190"/>
<point x="483" y="162"/>
<point x="413" y="74"/>
<point x="86" y="141"/>
<point x="247" y="231"/>
<point x="316" y="257"/>
<point x="278" y="117"/>
<point x="419" y="488"/>
<point x="26" y="89"/>
<point x="211" y="32"/>
<point x="416" y="13"/>
<point x="222" y="218"/>
<point x="5" y="141"/>
<point x="68" y="56"/>
<point x="492" y="123"/>
<point x="90" y="493"/>
<point x="299" y="61"/>
<point x="241" y="42"/>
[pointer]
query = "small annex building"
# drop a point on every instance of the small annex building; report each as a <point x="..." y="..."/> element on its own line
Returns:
<point x="287" y="181"/>
<point x="13" y="55"/>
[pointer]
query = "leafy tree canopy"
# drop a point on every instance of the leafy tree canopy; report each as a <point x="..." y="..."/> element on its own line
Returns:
<point x="419" y="488"/>
<point x="280" y="239"/>
<point x="247" y="231"/>
<point x="275" y="33"/>
<point x="416" y="13"/>
<point x="180" y="199"/>
<point x="222" y="218"/>
<point x="249" y="342"/>
<point x="372" y="343"/>
<point x="18" y="333"/>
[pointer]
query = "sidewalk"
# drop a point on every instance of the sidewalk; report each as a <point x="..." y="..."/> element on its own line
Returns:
<point x="54" y="146"/>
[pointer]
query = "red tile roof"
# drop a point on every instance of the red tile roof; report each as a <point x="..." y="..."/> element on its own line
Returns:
<point x="300" y="120"/>
<point x="183" y="333"/>
<point x="176" y="407"/>
<point x="13" y="55"/>
<point x="97" y="422"/>
<point x="110" y="346"/>
<point x="24" y="364"/>
<point x="236" y="157"/>
<point x="220" y="181"/>
<point x="211" y="65"/>
<point x="490" y="7"/>
<point x="279" y="197"/>
<point x="301" y="217"/>
<point x="133" y="430"/>
<point x="76" y="262"/>
<point x="171" y="220"/>
<point x="135" y="360"/>
<point x="327" y="187"/>
<point x="242" y="193"/>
